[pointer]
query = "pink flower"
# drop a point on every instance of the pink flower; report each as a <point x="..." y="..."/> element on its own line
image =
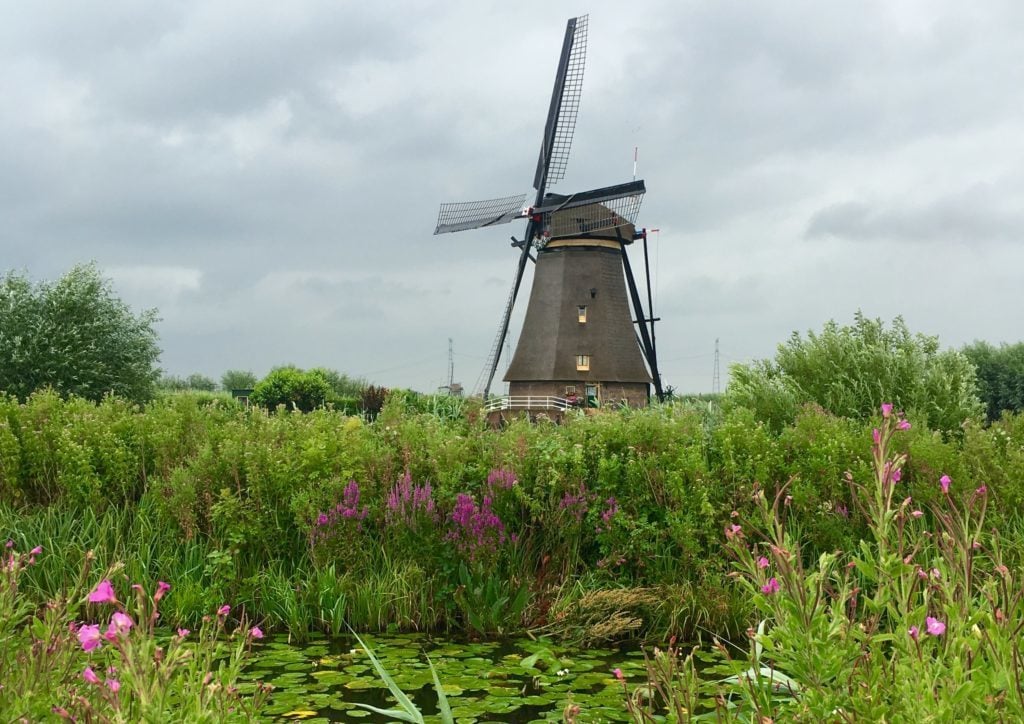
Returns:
<point x="771" y="587"/>
<point x="224" y="610"/>
<point x="89" y="637"/>
<point x="90" y="676"/>
<point x="982" y="490"/>
<point x="902" y="425"/>
<point x="103" y="593"/>
<point x="183" y="632"/>
<point x="618" y="674"/>
<point x="916" y="513"/>
<point x="120" y="623"/>
<point x="256" y="632"/>
<point x="876" y="435"/>
<point x="161" y="589"/>
<point x="762" y="562"/>
<point x="944" y="482"/>
<point x="36" y="551"/>
<point x="935" y="627"/>
<point x="114" y="685"/>
<point x="914" y="632"/>
<point x="896" y="475"/>
<point x="886" y="409"/>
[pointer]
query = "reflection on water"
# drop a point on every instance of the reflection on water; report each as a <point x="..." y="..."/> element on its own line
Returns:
<point x="323" y="680"/>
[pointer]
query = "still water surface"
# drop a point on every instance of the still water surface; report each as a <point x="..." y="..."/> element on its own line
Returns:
<point x="323" y="680"/>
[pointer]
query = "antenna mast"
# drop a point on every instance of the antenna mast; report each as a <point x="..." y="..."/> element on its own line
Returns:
<point x="716" y="382"/>
<point x="451" y="363"/>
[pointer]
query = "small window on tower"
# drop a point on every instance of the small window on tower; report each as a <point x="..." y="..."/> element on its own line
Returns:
<point x="581" y="314"/>
<point x="582" y="362"/>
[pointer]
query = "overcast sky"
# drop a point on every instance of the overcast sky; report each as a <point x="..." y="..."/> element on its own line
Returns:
<point x="267" y="175"/>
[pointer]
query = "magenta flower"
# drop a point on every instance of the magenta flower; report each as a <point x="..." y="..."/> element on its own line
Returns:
<point x="914" y="632"/>
<point x="114" y="685"/>
<point x="120" y="623"/>
<point x="36" y="551"/>
<point x="876" y="435"/>
<point x="982" y="490"/>
<point x="935" y="627"/>
<point x="161" y="589"/>
<point x="103" y="593"/>
<point x="183" y="632"/>
<point x="903" y="425"/>
<point x="771" y="587"/>
<point x="618" y="674"/>
<point x="896" y="475"/>
<point x="256" y="632"/>
<point x="944" y="482"/>
<point x="224" y="610"/>
<point x="89" y="637"/>
<point x="762" y="562"/>
<point x="916" y="513"/>
<point x="886" y="409"/>
<point x="90" y="676"/>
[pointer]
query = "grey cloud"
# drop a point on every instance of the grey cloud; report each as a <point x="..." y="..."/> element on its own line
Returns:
<point x="978" y="215"/>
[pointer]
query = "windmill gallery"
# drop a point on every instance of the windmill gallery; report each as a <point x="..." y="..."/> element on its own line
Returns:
<point x="586" y="337"/>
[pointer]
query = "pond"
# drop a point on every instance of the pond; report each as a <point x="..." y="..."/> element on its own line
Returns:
<point x="518" y="680"/>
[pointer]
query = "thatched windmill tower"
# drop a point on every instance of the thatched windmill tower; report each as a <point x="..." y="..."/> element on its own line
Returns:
<point x="578" y="343"/>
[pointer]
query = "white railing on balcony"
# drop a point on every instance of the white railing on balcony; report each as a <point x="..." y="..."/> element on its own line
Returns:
<point x="527" y="402"/>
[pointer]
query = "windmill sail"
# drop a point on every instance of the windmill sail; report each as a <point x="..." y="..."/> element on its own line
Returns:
<point x="565" y="105"/>
<point x="464" y="215"/>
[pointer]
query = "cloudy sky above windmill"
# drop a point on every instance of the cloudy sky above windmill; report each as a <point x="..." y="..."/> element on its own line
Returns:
<point x="268" y="177"/>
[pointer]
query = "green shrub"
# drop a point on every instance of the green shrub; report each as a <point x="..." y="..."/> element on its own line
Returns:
<point x="850" y="370"/>
<point x="1000" y="376"/>
<point x="293" y="388"/>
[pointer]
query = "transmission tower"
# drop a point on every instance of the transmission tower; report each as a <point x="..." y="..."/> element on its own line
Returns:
<point x="451" y="363"/>
<point x="716" y="380"/>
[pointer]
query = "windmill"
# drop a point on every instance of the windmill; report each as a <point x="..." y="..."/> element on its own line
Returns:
<point x="579" y="329"/>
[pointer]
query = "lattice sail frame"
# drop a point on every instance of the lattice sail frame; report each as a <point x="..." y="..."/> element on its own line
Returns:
<point x="570" y="92"/>
<point x="583" y="220"/>
<point x="464" y="215"/>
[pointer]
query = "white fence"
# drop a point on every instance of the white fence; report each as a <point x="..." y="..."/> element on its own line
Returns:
<point x="529" y="402"/>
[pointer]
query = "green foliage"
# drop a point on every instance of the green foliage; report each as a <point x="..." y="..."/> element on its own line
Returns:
<point x="225" y="502"/>
<point x="194" y="381"/>
<point x="342" y="386"/>
<point x="293" y="388"/>
<point x="75" y="336"/>
<point x="237" y="380"/>
<point x="919" y="620"/>
<point x="133" y="672"/>
<point x="1000" y="376"/>
<point x="849" y="370"/>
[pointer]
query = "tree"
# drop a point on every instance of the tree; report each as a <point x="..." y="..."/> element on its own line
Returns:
<point x="237" y="380"/>
<point x="293" y="388"/>
<point x="75" y="336"/>
<point x="1000" y="376"/>
<point x="850" y="370"/>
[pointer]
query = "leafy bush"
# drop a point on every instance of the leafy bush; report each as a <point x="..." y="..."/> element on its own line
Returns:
<point x="849" y="370"/>
<point x="292" y="388"/>
<point x="75" y="336"/>
<point x="1000" y="376"/>
<point x="237" y="380"/>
